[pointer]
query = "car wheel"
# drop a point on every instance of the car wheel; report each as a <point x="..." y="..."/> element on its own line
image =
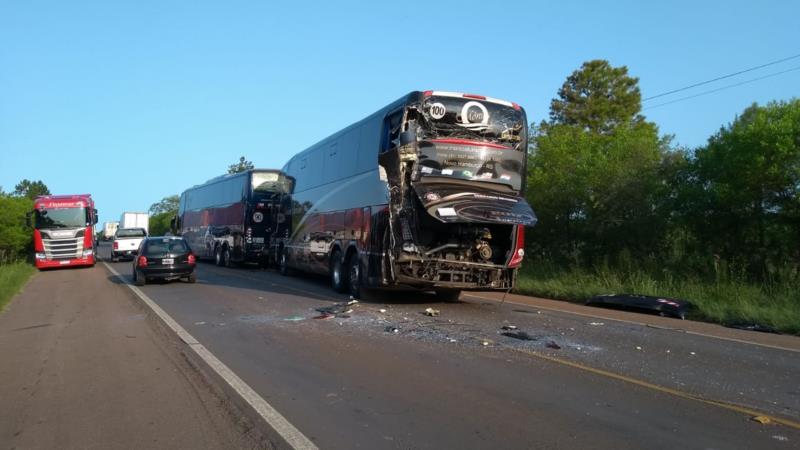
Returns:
<point x="336" y="270"/>
<point x="139" y="279"/>
<point x="192" y="278"/>
<point x="448" y="295"/>
<point x="354" y="276"/>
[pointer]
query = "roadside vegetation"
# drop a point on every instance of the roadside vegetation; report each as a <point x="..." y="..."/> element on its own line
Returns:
<point x="623" y="210"/>
<point x="12" y="277"/>
<point x="15" y="237"/>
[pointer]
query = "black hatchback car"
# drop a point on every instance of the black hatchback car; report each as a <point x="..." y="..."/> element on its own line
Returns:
<point x="164" y="258"/>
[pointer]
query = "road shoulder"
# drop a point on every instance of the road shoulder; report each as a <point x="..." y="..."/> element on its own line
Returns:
<point x="90" y="369"/>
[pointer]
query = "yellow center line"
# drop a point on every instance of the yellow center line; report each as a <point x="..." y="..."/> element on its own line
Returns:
<point x="662" y="389"/>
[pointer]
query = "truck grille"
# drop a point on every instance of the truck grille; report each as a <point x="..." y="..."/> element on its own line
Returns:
<point x="63" y="248"/>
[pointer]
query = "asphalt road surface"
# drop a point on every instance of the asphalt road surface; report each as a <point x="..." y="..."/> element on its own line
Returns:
<point x="382" y="374"/>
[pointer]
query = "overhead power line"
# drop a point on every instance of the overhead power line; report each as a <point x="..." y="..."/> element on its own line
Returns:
<point x="722" y="77"/>
<point x="722" y="88"/>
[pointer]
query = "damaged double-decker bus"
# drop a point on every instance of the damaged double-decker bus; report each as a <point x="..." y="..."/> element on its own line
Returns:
<point x="426" y="193"/>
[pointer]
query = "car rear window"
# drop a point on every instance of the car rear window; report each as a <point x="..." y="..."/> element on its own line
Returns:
<point x="156" y="247"/>
<point x="131" y="232"/>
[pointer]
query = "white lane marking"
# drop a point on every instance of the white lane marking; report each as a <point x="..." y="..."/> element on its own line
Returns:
<point x="271" y="416"/>
<point x="600" y="316"/>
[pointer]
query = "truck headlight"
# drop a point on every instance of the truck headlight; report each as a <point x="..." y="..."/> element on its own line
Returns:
<point x="88" y="252"/>
<point x="41" y="256"/>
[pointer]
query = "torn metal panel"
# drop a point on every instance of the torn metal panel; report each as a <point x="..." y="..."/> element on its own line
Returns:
<point x="460" y="203"/>
<point x="643" y="303"/>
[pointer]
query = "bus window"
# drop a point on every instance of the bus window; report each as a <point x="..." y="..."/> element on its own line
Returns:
<point x="391" y="130"/>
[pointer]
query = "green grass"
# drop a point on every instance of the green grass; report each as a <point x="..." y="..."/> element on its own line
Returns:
<point x="725" y="301"/>
<point x="12" y="277"/>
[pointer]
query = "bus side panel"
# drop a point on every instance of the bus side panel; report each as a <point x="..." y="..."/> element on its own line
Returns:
<point x="330" y="214"/>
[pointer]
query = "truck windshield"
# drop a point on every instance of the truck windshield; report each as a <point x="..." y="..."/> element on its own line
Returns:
<point x="473" y="119"/>
<point x="61" y="218"/>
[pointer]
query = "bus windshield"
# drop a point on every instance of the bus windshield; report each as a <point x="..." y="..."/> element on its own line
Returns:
<point x="473" y="119"/>
<point x="61" y="218"/>
<point x="265" y="182"/>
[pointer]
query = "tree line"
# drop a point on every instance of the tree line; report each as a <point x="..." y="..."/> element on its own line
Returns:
<point x="610" y="190"/>
<point x="15" y="233"/>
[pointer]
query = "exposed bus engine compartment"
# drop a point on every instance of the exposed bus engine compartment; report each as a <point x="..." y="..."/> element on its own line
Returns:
<point x="455" y="208"/>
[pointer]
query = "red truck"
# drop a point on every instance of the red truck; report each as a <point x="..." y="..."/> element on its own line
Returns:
<point x="63" y="230"/>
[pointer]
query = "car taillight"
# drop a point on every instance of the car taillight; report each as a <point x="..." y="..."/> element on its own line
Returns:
<point x="190" y="259"/>
<point x="519" y="248"/>
<point x="141" y="261"/>
<point x="116" y="245"/>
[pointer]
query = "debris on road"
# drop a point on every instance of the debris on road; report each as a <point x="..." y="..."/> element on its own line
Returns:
<point x="509" y="327"/>
<point x="553" y="345"/>
<point x="642" y="303"/>
<point x="485" y="344"/>
<point x="339" y="310"/>
<point x="199" y="323"/>
<point x="382" y="310"/>
<point x="753" y="327"/>
<point x="763" y="420"/>
<point x="325" y="316"/>
<point x="431" y="312"/>
<point x="521" y="335"/>
<point x="391" y="329"/>
<point x="638" y="347"/>
<point x="294" y="318"/>
<point x="596" y="324"/>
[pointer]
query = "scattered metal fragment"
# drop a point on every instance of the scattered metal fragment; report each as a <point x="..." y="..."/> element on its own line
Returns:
<point x="638" y="347"/>
<point x="509" y="327"/>
<point x="431" y="312"/>
<point x="452" y="341"/>
<point x="596" y="324"/>
<point x="521" y="335"/>
<point x="294" y="318"/>
<point x="485" y="344"/>
<point x="324" y="316"/>
<point x="382" y="310"/>
<point x="553" y="345"/>
<point x="391" y="329"/>
<point x="199" y="323"/>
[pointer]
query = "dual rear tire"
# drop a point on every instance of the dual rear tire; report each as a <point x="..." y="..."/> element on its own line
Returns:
<point x="346" y="274"/>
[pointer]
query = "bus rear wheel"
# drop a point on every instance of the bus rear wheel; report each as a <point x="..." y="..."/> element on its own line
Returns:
<point x="218" y="255"/>
<point x="337" y="276"/>
<point x="284" y="264"/>
<point x="354" y="276"/>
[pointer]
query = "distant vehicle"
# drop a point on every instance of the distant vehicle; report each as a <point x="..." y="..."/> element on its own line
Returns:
<point x="109" y="228"/>
<point x="135" y="220"/>
<point x="235" y="217"/>
<point x="126" y="242"/>
<point x="163" y="258"/>
<point x="63" y="230"/>
<point x="426" y="193"/>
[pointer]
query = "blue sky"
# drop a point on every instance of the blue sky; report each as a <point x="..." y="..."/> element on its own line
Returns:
<point x="134" y="101"/>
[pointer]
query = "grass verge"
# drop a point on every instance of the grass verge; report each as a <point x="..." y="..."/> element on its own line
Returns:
<point x="727" y="302"/>
<point x="12" y="277"/>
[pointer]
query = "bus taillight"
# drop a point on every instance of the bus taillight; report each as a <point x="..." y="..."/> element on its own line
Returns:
<point x="519" y="248"/>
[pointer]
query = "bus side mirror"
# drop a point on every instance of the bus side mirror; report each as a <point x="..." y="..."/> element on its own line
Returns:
<point x="408" y="137"/>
